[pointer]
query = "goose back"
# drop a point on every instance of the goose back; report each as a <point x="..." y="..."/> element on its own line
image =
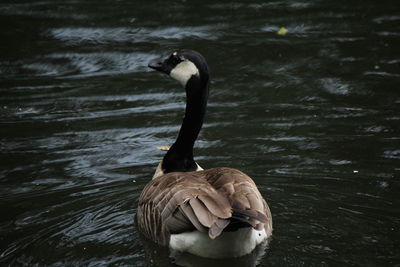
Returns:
<point x="210" y="201"/>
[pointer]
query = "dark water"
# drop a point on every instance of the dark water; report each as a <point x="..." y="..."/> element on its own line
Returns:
<point x="313" y="116"/>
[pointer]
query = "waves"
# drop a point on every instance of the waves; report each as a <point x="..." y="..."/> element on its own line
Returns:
<point x="312" y="116"/>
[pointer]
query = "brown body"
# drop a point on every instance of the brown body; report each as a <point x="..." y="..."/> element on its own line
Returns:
<point x="209" y="201"/>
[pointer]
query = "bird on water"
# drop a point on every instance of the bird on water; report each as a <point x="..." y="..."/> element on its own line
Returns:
<point x="213" y="213"/>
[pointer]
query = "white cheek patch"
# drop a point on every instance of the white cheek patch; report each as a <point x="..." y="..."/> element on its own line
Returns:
<point x="183" y="71"/>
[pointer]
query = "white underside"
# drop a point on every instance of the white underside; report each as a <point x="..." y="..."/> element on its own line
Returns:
<point x="227" y="245"/>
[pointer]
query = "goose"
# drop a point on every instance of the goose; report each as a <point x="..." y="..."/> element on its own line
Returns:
<point x="212" y="213"/>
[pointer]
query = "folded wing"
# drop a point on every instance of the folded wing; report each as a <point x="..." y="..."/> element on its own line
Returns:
<point x="209" y="201"/>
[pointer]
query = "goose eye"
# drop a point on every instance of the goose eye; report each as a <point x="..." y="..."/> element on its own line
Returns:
<point x="174" y="59"/>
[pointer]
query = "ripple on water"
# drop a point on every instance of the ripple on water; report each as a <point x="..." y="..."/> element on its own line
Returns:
<point x="87" y="115"/>
<point x="339" y="162"/>
<point x="392" y="154"/>
<point x="65" y="224"/>
<point x="40" y="9"/>
<point x="335" y="86"/>
<point x="76" y="65"/>
<point x="104" y="224"/>
<point x="75" y="36"/>
<point x="387" y="18"/>
<point x="381" y="74"/>
<point x="274" y="5"/>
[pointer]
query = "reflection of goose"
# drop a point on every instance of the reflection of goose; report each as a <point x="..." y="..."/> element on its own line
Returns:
<point x="215" y="213"/>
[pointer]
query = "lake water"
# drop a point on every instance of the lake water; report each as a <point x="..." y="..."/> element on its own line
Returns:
<point x="313" y="116"/>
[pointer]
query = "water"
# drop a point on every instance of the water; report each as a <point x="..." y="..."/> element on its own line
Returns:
<point x="313" y="116"/>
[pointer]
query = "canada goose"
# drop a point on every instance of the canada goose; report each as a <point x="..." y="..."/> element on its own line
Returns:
<point x="214" y="213"/>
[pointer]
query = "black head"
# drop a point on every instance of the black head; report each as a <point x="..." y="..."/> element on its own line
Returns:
<point x="182" y="66"/>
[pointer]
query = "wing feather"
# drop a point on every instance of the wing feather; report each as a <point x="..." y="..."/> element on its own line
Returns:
<point x="205" y="217"/>
<point x="208" y="201"/>
<point x="247" y="204"/>
<point x="217" y="228"/>
<point x="188" y="211"/>
<point x="217" y="204"/>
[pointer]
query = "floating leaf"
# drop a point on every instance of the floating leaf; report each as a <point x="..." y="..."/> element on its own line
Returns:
<point x="164" y="148"/>
<point x="282" y="31"/>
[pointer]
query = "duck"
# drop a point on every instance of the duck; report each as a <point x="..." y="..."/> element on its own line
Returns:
<point x="212" y="213"/>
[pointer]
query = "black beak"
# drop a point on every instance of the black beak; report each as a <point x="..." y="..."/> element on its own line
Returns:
<point x="156" y="64"/>
<point x="161" y="66"/>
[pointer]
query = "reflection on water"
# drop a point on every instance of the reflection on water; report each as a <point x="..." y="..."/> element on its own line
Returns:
<point x="313" y="116"/>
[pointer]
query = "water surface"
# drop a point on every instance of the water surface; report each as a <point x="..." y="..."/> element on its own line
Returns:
<point x="313" y="116"/>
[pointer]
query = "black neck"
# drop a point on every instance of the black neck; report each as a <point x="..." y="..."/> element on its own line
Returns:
<point x="180" y="156"/>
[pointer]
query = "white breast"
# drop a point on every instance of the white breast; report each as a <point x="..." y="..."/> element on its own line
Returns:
<point x="227" y="245"/>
